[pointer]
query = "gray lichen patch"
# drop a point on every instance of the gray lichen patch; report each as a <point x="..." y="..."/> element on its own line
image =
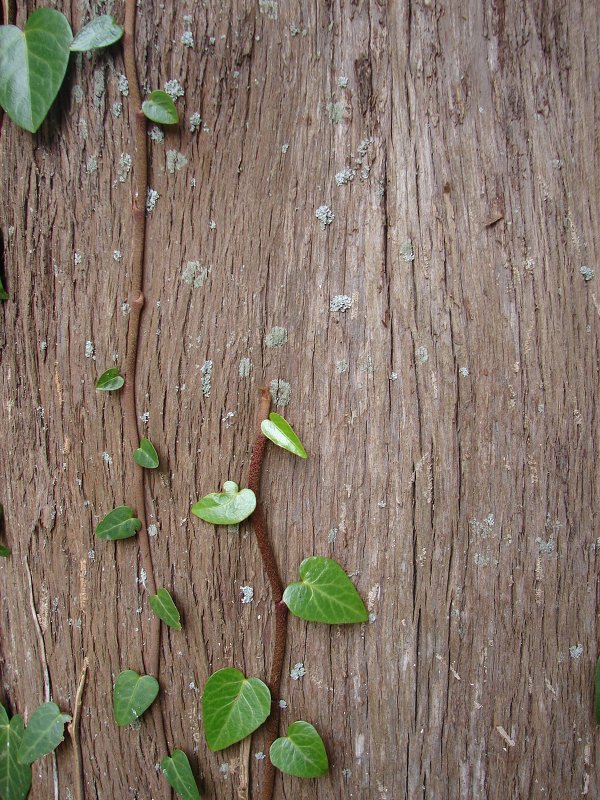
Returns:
<point x="341" y="365"/>
<point x="174" y="89"/>
<point x="175" y="161"/>
<point x="91" y="165"/>
<point x="297" y="671"/>
<point x="483" y="528"/>
<point x="340" y="302"/>
<point x="281" y="392"/>
<point x="124" y="168"/>
<point x="270" y="8"/>
<point x="195" y="122"/>
<point x="187" y="39"/>
<point x="344" y="176"/>
<point x="156" y="134"/>
<point x="325" y="216"/>
<point x="587" y="272"/>
<point x="422" y="354"/>
<point x="245" y="367"/>
<point x="77" y="93"/>
<point x="276" y="337"/>
<point x="206" y="372"/>
<point x="123" y="85"/>
<point x="336" y="111"/>
<point x="407" y="251"/>
<point x="342" y="82"/>
<point x="194" y="274"/>
<point x="151" y="200"/>
<point x="99" y="86"/>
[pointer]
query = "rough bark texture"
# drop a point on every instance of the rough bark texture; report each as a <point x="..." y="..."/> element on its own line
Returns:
<point x="451" y="413"/>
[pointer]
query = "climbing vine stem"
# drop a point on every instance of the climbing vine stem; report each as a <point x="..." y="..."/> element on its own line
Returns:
<point x="272" y="570"/>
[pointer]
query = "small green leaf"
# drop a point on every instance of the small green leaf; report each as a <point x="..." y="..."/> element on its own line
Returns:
<point x="301" y="752"/>
<point x="233" y="707"/>
<point x="228" y="507"/>
<point x="163" y="606"/>
<point x="281" y="433"/>
<point x="118" y="524"/>
<point x="100" y="32"/>
<point x="33" y="63"/>
<point x="325" y="594"/>
<point x="178" y="772"/>
<point x="3" y="292"/>
<point x="110" y="381"/>
<point x="159" y="107"/>
<point x="15" y="778"/>
<point x="146" y="456"/>
<point x="45" y="731"/>
<point x="132" y="695"/>
<point x="597" y="696"/>
<point x="4" y="553"/>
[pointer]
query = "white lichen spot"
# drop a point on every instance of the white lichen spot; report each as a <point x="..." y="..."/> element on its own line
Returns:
<point x="212" y="41"/>
<point x="187" y="39"/>
<point x="194" y="274"/>
<point x="342" y="81"/>
<point x="187" y="19"/>
<point x="463" y="372"/>
<point x="422" y="354"/>
<point x="125" y="308"/>
<point x="325" y="216"/>
<point x="393" y="376"/>
<point x="145" y="417"/>
<point x="260" y="755"/>
<point x="344" y="176"/>
<point x="363" y="147"/>
<point x="90" y="351"/>
<point x="153" y="529"/>
<point x="587" y="272"/>
<point x="151" y="200"/>
<point x="116" y="110"/>
<point x="336" y="111"/>
<point x="382" y="504"/>
<point x="576" y="651"/>
<point x="91" y="555"/>
<point x="124" y="168"/>
<point x="340" y="303"/>
<point x="107" y="458"/>
<point x="77" y="93"/>
<point x="546" y="547"/>
<point x="212" y="225"/>
<point x="245" y="367"/>
<point x="294" y="29"/>
<point x="174" y="89"/>
<point x="284" y="148"/>
<point x="77" y="259"/>
<point x="123" y="85"/>
<point x="175" y="161"/>
<point x="143" y="578"/>
<point x="372" y="617"/>
<point x="407" y="251"/>
<point x="91" y="165"/>
<point x="224" y="770"/>
<point x="341" y="365"/>
<point x="195" y="122"/>
<point x="346" y="773"/>
<point x="281" y="392"/>
<point x="117" y="255"/>
<point x="297" y="671"/>
<point x="206" y="372"/>
<point x="282" y="705"/>
<point x="247" y="594"/>
<point x="332" y="535"/>
<point x="483" y="528"/>
<point x="276" y="337"/>
<point x="270" y="8"/>
<point x="43" y="346"/>
<point x="156" y="134"/>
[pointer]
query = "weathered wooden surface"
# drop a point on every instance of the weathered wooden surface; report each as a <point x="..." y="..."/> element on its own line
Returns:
<point x="451" y="413"/>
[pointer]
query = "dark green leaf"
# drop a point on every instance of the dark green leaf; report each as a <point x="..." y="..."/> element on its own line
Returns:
<point x="159" y="107"/>
<point x="232" y="707"/>
<point x="118" y="524"/>
<point x="228" y="507"/>
<point x="597" y="697"/>
<point x="132" y="695"/>
<point x="301" y="752"/>
<point x="100" y="32"/>
<point x="4" y="551"/>
<point x="45" y="731"/>
<point x="163" y="606"/>
<point x="325" y="594"/>
<point x="146" y="456"/>
<point x="178" y="772"/>
<point x="3" y="292"/>
<point x="33" y="63"/>
<point x="281" y="433"/>
<point x="15" y="778"/>
<point x="110" y="381"/>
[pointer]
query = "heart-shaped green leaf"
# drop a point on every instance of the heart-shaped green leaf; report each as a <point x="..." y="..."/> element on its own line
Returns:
<point x="110" y="381"/>
<point x="3" y="292"/>
<point x="325" y="594"/>
<point x="132" y="695"/>
<point x="301" y="752"/>
<point x="33" y="63"/>
<point x="178" y="772"/>
<point x="45" y="731"/>
<point x="118" y="524"/>
<point x="228" y="507"/>
<point x="100" y="32"/>
<point x="597" y="696"/>
<point x="163" y="606"/>
<point x="159" y="107"/>
<point x="15" y="778"/>
<point x="146" y="455"/>
<point x="281" y="433"/>
<point x="232" y="707"/>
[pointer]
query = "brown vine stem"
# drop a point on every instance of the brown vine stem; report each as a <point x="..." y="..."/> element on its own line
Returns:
<point x="73" y="729"/>
<point x="272" y="570"/>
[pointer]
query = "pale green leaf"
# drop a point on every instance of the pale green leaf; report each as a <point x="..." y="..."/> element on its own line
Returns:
<point x="110" y="380"/>
<point x="163" y="606"/>
<point x="100" y="32"/>
<point x="281" y="433"/>
<point x="33" y="63"/>
<point x="146" y="455"/>
<point x="132" y="695"/>
<point x="178" y="772"/>
<point x="228" y="507"/>
<point x="301" y="752"/>
<point x="232" y="707"/>
<point x="15" y="778"/>
<point x="324" y="594"/>
<point x="45" y="731"/>
<point x="159" y="107"/>
<point x="118" y="524"/>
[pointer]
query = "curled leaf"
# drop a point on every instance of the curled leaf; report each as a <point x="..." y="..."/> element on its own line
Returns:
<point x="228" y="507"/>
<point x="110" y="380"/>
<point x="100" y="32"/>
<point x="176" y="769"/>
<point x="118" y="524"/>
<point x="163" y="606"/>
<point x="281" y="433"/>
<point x="160" y="108"/>
<point x="146" y="455"/>
<point x="45" y="731"/>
